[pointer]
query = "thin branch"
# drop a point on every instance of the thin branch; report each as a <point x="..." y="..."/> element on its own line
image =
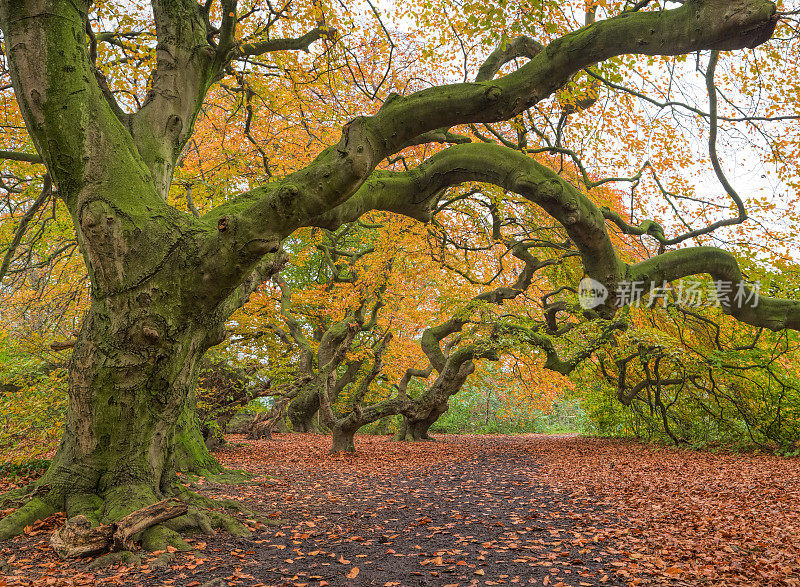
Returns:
<point x="23" y="157"/>
<point x="23" y="225"/>
<point x="271" y="45"/>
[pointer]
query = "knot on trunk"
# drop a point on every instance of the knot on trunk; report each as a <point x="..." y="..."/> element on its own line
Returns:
<point x="150" y="334"/>
<point x="174" y="125"/>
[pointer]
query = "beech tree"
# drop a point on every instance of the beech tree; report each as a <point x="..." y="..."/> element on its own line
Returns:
<point x="222" y="390"/>
<point x="452" y="352"/>
<point x="164" y="281"/>
<point x="333" y="340"/>
<point x="319" y="317"/>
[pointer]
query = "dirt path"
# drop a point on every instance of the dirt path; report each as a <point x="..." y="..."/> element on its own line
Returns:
<point x="481" y="519"/>
<point x="471" y="510"/>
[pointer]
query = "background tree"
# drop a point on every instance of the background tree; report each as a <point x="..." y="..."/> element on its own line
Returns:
<point x="223" y="389"/>
<point x="320" y="315"/>
<point x="340" y="264"/>
<point x="691" y="378"/>
<point x="450" y="351"/>
<point x="484" y="244"/>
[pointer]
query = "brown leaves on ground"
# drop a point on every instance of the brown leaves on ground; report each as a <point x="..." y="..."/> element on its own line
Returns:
<point x="696" y="517"/>
<point x="297" y="454"/>
<point x="469" y="510"/>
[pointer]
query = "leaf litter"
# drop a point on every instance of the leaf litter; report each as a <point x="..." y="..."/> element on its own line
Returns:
<point x="473" y="510"/>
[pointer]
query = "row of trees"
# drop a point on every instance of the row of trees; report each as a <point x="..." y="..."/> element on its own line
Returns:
<point x="166" y="163"/>
<point x="670" y="370"/>
<point x="383" y="280"/>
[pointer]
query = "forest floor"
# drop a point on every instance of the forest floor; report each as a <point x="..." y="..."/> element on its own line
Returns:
<point x="474" y="510"/>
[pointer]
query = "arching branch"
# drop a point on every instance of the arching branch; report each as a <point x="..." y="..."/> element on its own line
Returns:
<point x="412" y="193"/>
<point x="336" y="174"/>
<point x="23" y="157"/>
<point x="302" y="43"/>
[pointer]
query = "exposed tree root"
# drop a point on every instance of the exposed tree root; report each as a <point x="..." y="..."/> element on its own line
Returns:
<point x="112" y="558"/>
<point x="85" y="504"/>
<point x="210" y="508"/>
<point x="160" y="537"/>
<point x="21" y="495"/>
<point x="203" y="515"/>
<point x="34" y="510"/>
<point x="225" y="476"/>
<point x="192" y="521"/>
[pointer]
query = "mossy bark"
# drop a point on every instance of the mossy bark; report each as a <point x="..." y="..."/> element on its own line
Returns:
<point x="343" y="439"/>
<point x="131" y="421"/>
<point x="303" y="409"/>
<point x="418" y="429"/>
<point x="158" y="301"/>
<point x="422" y="412"/>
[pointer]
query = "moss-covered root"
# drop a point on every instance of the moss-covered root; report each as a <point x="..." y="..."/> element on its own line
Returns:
<point x="203" y="515"/>
<point x="171" y="533"/>
<point x="192" y="521"/>
<point x="160" y="537"/>
<point x="208" y="503"/>
<point x="14" y="524"/>
<point x="125" y="557"/>
<point x="229" y="524"/>
<point x="209" y="509"/>
<point x="85" y="504"/>
<point x="16" y="497"/>
<point x="125" y="499"/>
<point x="229" y="477"/>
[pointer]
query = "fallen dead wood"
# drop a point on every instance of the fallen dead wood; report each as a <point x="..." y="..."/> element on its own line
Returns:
<point x="77" y="538"/>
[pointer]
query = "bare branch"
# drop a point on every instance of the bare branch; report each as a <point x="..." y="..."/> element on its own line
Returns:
<point x="23" y="225"/>
<point x="24" y="157"/>
<point x="302" y="43"/>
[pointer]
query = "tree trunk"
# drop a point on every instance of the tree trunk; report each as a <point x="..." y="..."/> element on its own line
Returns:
<point x="417" y="429"/>
<point x="132" y="397"/>
<point x="433" y="402"/>
<point x="261" y="428"/>
<point x="383" y="426"/>
<point x="303" y="409"/>
<point x="343" y="439"/>
<point x="131" y="420"/>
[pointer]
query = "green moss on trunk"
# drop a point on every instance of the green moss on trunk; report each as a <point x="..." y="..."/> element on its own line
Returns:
<point x="303" y="409"/>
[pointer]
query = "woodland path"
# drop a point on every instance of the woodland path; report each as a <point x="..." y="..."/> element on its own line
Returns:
<point x="471" y="510"/>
